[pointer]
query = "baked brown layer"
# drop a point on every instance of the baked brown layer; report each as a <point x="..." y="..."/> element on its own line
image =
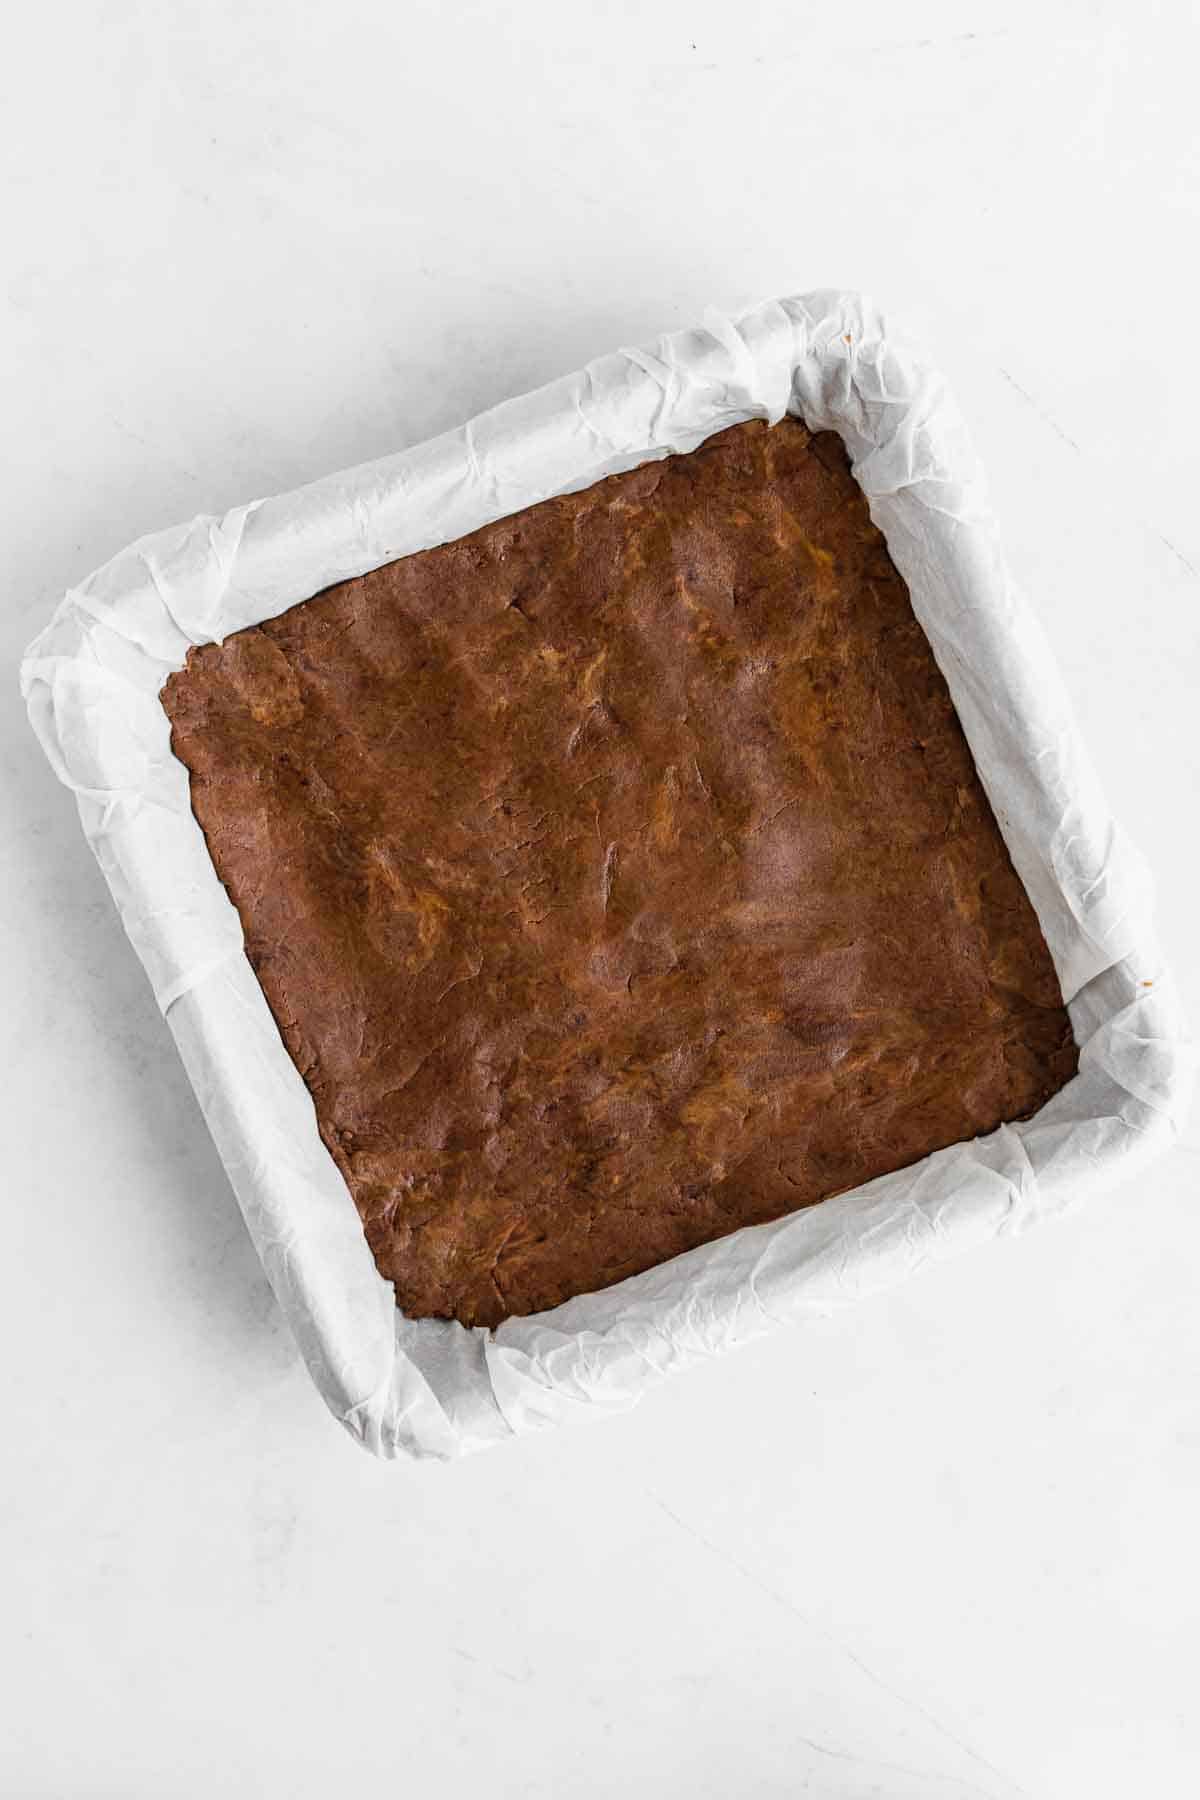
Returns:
<point x="619" y="875"/>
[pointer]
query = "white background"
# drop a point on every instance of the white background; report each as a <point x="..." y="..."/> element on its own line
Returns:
<point x="942" y="1547"/>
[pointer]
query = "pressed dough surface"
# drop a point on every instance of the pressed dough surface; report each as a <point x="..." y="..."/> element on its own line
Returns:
<point x="619" y="875"/>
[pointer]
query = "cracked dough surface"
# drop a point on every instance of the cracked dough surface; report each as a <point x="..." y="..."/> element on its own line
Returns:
<point x="619" y="875"/>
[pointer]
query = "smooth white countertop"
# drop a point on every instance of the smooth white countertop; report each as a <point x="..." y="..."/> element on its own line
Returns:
<point x="248" y="244"/>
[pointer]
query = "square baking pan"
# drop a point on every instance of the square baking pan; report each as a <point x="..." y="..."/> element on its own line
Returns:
<point x="430" y="1387"/>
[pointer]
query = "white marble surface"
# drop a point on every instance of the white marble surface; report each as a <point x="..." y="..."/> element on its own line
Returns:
<point x="246" y="244"/>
